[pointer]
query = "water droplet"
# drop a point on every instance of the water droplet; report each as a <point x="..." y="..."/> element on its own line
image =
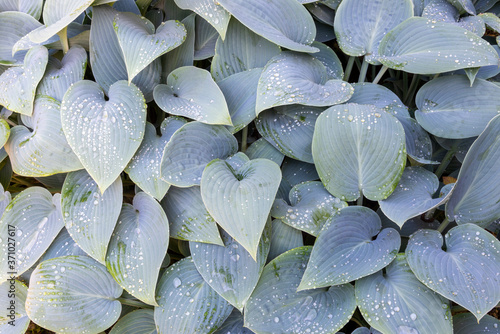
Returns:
<point x="413" y="316"/>
<point x="276" y="319"/>
<point x="177" y="282"/>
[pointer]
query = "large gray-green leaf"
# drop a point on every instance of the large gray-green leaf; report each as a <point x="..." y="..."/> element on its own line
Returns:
<point x="276" y="307"/>
<point x="112" y="129"/>
<point x="421" y="46"/>
<point x="229" y="269"/>
<point x="346" y="251"/>
<point x="360" y="25"/>
<point x="40" y="148"/>
<point x="295" y="172"/>
<point x="211" y="11"/>
<point x="31" y="7"/>
<point x="18" y="84"/>
<point x="136" y="322"/>
<point x="412" y="196"/>
<point x="62" y="245"/>
<point x="90" y="217"/>
<point x="283" y="22"/>
<point x="396" y="302"/>
<point x="233" y="324"/>
<point x="464" y="6"/>
<point x="14" y="319"/>
<point x="183" y="55"/>
<point x="240" y="199"/>
<point x="466" y="323"/>
<point x="82" y="296"/>
<point x="138" y="246"/>
<point x="262" y="149"/>
<point x="181" y="96"/>
<point x="205" y="39"/>
<point x="240" y="92"/>
<point x="141" y="44"/>
<point x="187" y="304"/>
<point x="240" y="51"/>
<point x="290" y="129"/>
<point x="450" y="107"/>
<point x="468" y="272"/>
<point x="188" y="218"/>
<point x="13" y="26"/>
<point x="311" y="205"/>
<point x="191" y="148"/>
<point x="4" y="132"/>
<point x="29" y="224"/>
<point x="294" y="78"/>
<point x="330" y="59"/>
<point x="359" y="150"/>
<point x="60" y="75"/>
<point x="283" y="239"/>
<point x="144" y="168"/>
<point x="476" y="195"/>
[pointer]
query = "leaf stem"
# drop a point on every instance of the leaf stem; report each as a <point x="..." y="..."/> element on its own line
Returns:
<point x="135" y="303"/>
<point x="10" y="122"/>
<point x="443" y="225"/>
<point x="380" y="74"/>
<point x="63" y="36"/>
<point x="362" y="72"/>
<point x="412" y="89"/>
<point x="244" y="139"/>
<point x="348" y="69"/>
<point x="446" y="160"/>
<point x="360" y="200"/>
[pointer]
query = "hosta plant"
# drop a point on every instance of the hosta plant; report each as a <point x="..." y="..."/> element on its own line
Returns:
<point x="236" y="166"/>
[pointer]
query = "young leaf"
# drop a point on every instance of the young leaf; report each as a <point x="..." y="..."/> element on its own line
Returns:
<point x="211" y="11"/>
<point x="13" y="295"/>
<point x="136" y="322"/>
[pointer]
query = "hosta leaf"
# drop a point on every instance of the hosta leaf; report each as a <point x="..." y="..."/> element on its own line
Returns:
<point x="262" y="149"/>
<point x="233" y="324"/>
<point x="284" y="22"/>
<point x="396" y="302"/>
<point x="360" y="25"/>
<point x="240" y="199"/>
<point x="276" y="307"/>
<point x="240" y="51"/>
<point x="106" y="56"/>
<point x="412" y="196"/>
<point x="211" y="11"/>
<point x="183" y="55"/>
<point x="90" y="216"/>
<point x="293" y="78"/>
<point x="188" y="218"/>
<point x="18" y="84"/>
<point x="346" y="251"/>
<point x="40" y="148"/>
<point x="476" y="195"/>
<point x="180" y="96"/>
<point x="450" y="107"/>
<point x="32" y="235"/>
<point x="82" y="296"/>
<point x="138" y="246"/>
<point x="14" y="319"/>
<point x="60" y="75"/>
<point x="13" y="26"/>
<point x="4" y="132"/>
<point x="464" y="6"/>
<point x="141" y="43"/>
<point x="229" y="269"/>
<point x="466" y="323"/>
<point x="290" y="129"/>
<point x="144" y="168"/>
<point x="466" y="273"/>
<point x="359" y="149"/>
<point x="441" y="10"/>
<point x="331" y="61"/>
<point x="113" y="129"/>
<point x="62" y="245"/>
<point x="240" y="92"/>
<point x="187" y="304"/>
<point x="421" y="46"/>
<point x="191" y="148"/>
<point x="311" y="206"/>
<point x="295" y="172"/>
<point x="5" y="198"/>
<point x="136" y="322"/>
<point x="31" y="7"/>
<point x="205" y="39"/>
<point x="283" y="239"/>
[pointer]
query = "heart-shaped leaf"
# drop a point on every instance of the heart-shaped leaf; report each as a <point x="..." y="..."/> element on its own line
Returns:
<point x="284" y="22"/>
<point x="13" y="295"/>
<point x="283" y="239"/>
<point x="180" y="96"/>
<point x="138" y="246"/>
<point x="276" y="307"/>
<point x="187" y="304"/>
<point x="141" y="44"/>
<point x="466" y="323"/>
<point x="40" y="148"/>
<point x="262" y="149"/>
<point x="293" y="78"/>
<point x="233" y="324"/>
<point x="31" y="7"/>
<point x="136" y="322"/>
<point x="345" y="251"/>
<point x="396" y="302"/>
<point x="144" y="168"/>
<point x="13" y="26"/>
<point x="90" y="216"/>
<point x="466" y="273"/>
<point x="359" y="149"/>
<point x="18" y="84"/>
<point x="113" y="129"/>
<point x="240" y="199"/>
<point x="311" y="205"/>
<point x="188" y="218"/>
<point x="191" y="148"/>
<point x="32" y="235"/>
<point x="476" y="195"/>
<point x="360" y="25"/>
<point x="422" y="46"/>
<point x="412" y="196"/>
<point x="211" y="11"/>
<point x="78" y="284"/>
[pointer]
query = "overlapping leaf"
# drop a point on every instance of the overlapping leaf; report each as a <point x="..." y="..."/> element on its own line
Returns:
<point x="62" y="245"/>
<point x="211" y="11"/>
<point x="183" y="55"/>
<point x="31" y="7"/>
<point x="233" y="324"/>
<point x="283" y="238"/>
<point x="4" y="132"/>
<point x="140" y="321"/>
<point x="13" y="26"/>
<point x="262" y="149"/>
<point x="13" y="296"/>
<point x="466" y="323"/>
